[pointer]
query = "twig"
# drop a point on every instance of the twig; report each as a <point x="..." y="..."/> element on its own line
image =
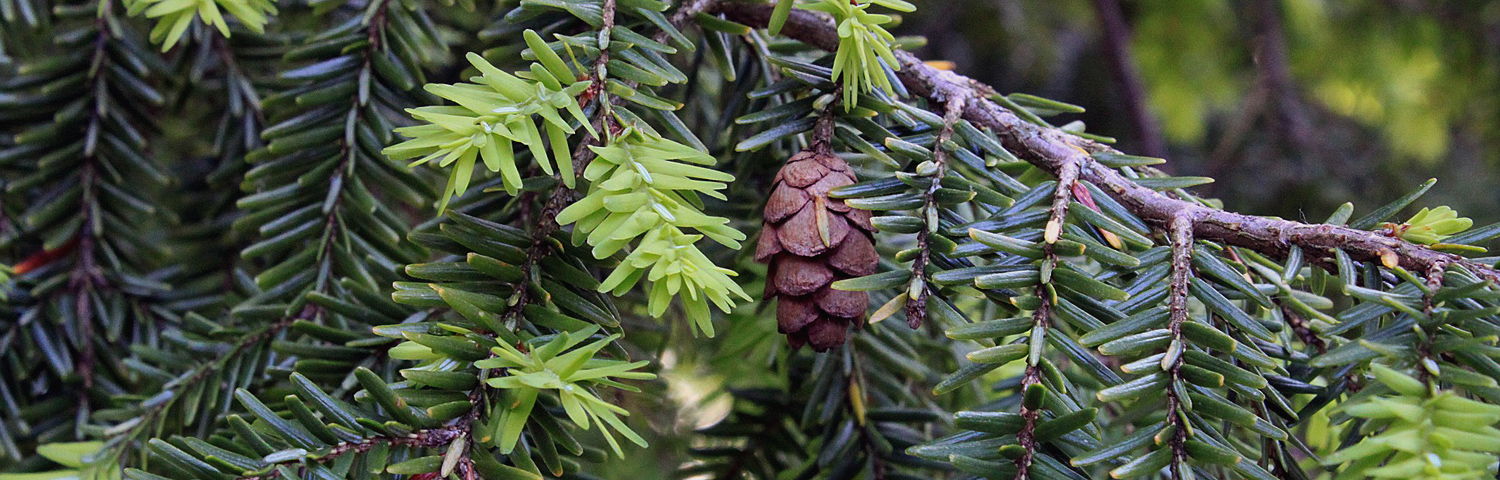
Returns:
<point x="916" y="308"/>
<point x="1067" y="177"/>
<point x="146" y="420"/>
<point x="1041" y="319"/>
<point x="430" y="438"/>
<point x="269" y="331"/>
<point x="1050" y="148"/>
<point x="603" y="122"/>
<point x="85" y="277"/>
<point x="1181" y="235"/>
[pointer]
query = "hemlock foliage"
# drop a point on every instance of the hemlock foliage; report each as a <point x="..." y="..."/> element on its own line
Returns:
<point x="412" y="239"/>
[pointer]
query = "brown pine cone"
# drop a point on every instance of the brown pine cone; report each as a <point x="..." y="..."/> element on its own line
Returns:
<point x="811" y="241"/>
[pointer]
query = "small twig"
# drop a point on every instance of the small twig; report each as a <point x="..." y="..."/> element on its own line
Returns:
<point x="85" y="277"/>
<point x="147" y="419"/>
<point x="822" y="132"/>
<point x="1182" y="269"/>
<point x="1433" y="280"/>
<point x="603" y="122"/>
<point x="1301" y="327"/>
<point x="1181" y="236"/>
<point x="430" y="438"/>
<point x="916" y="308"/>
<point x="1041" y="319"/>
<point x="1067" y="177"/>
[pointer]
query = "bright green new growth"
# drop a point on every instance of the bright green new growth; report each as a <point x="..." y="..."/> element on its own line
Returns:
<point x="1434" y="225"/>
<point x="646" y="186"/>
<point x="547" y="367"/>
<point x="493" y="114"/>
<point x="863" y="44"/>
<point x="175" y="16"/>
<point x="1425" y="434"/>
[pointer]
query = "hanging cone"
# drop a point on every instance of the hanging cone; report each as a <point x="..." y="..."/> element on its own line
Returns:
<point x="811" y="241"/>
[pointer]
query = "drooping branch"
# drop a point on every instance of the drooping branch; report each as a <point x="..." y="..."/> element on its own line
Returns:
<point x="1041" y="319"/>
<point x="1051" y="149"/>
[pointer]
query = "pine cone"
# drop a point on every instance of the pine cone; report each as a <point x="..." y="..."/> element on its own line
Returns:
<point x="811" y="241"/>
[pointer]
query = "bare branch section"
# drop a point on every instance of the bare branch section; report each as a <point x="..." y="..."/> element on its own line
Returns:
<point x="1067" y="178"/>
<point x="1051" y="149"/>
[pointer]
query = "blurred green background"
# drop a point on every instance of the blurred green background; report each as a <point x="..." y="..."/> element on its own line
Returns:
<point x="1295" y="106"/>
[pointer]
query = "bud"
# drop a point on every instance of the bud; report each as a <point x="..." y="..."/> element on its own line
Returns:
<point x="927" y="168"/>
<point x="811" y="241"/>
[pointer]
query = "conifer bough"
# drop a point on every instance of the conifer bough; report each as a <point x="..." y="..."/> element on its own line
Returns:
<point x="1073" y="313"/>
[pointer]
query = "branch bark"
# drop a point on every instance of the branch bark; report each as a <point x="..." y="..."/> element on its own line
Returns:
<point x="1051" y="149"/>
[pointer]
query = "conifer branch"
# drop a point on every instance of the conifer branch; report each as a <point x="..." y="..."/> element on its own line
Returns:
<point x="1181" y="235"/>
<point x="1051" y="148"/>
<point x="1041" y="320"/>
<point x="1147" y="352"/>
<point x="147" y="420"/>
<point x="916" y="308"/>
<point x="604" y="120"/>
<point x="265" y="333"/>
<point x="85" y="277"/>
<point x="1026" y="437"/>
<point x="428" y="438"/>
